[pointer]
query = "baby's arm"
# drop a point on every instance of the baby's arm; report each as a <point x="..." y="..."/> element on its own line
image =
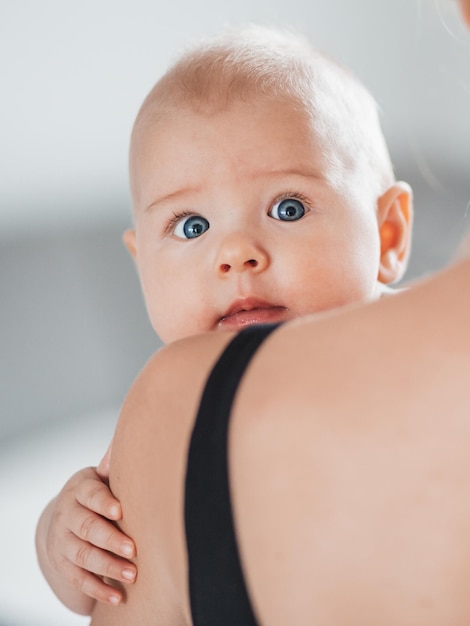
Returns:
<point x="77" y="543"/>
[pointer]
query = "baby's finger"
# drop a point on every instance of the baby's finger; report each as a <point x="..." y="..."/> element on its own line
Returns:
<point x="96" y="588"/>
<point x="90" y="585"/>
<point x="96" y="496"/>
<point x="98" y="532"/>
<point x="97" y="561"/>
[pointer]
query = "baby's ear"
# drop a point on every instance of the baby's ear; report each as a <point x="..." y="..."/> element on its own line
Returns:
<point x="128" y="238"/>
<point x="395" y="219"/>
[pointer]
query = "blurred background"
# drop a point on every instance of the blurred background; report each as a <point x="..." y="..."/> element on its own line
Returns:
<point x="73" y="331"/>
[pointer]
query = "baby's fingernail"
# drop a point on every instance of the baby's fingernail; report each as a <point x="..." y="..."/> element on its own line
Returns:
<point x="127" y="549"/>
<point x="114" y="599"/>
<point x="114" y="510"/>
<point x="128" y="574"/>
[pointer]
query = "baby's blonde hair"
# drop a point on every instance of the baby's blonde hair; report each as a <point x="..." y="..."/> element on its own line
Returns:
<point x="261" y="62"/>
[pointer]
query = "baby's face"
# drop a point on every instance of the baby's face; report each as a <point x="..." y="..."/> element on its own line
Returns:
<point x="238" y="222"/>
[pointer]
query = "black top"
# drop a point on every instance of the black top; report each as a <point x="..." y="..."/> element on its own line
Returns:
<point x="217" y="588"/>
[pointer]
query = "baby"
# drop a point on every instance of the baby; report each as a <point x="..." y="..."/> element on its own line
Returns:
<point x="262" y="191"/>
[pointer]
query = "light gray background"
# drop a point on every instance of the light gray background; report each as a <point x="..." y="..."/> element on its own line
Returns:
<point x="73" y="330"/>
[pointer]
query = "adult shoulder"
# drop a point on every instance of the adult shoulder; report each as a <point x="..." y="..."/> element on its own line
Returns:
<point x="349" y="461"/>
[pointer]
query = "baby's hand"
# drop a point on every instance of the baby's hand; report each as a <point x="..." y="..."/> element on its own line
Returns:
<point x="82" y="544"/>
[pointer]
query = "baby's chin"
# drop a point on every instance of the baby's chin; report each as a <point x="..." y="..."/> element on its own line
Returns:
<point x="168" y="337"/>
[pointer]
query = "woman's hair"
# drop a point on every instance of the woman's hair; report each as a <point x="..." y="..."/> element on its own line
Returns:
<point x="260" y="62"/>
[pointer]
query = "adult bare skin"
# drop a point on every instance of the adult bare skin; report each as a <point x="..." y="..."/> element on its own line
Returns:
<point x="465" y="9"/>
<point x="350" y="483"/>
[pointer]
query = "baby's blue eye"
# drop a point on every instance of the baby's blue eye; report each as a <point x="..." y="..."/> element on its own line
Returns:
<point x="288" y="210"/>
<point x="191" y="227"/>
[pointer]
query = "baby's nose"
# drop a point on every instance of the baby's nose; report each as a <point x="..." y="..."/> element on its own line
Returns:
<point x="240" y="252"/>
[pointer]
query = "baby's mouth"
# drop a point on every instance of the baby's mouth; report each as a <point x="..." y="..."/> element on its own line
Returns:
<point x="251" y="311"/>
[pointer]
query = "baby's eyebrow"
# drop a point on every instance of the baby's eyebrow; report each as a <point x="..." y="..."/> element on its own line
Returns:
<point x="172" y="195"/>
<point x="299" y="172"/>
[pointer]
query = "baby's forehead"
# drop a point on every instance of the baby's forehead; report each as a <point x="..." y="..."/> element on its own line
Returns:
<point x="293" y="154"/>
<point x="268" y="124"/>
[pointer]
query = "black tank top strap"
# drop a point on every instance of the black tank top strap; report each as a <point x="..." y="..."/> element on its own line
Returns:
<point x="217" y="588"/>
